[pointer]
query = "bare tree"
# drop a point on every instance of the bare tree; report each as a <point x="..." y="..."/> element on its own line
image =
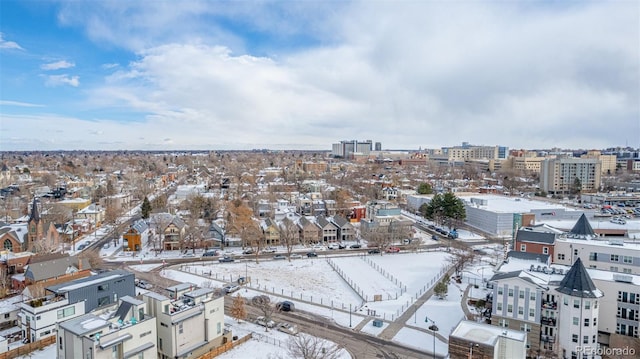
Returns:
<point x="309" y="347"/>
<point x="461" y="257"/>
<point x="265" y="306"/>
<point x="289" y="235"/>
<point x="238" y="309"/>
<point x="377" y="237"/>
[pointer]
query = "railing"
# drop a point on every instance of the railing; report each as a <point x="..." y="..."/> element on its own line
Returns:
<point x="549" y="305"/>
<point x="549" y="321"/>
<point x="548" y="338"/>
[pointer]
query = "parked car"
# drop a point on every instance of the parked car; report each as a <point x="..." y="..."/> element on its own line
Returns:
<point x="393" y="250"/>
<point x="285" y="306"/>
<point x="210" y="254"/>
<point x="226" y="259"/>
<point x="247" y="251"/>
<point x="434" y="237"/>
<point x="618" y="221"/>
<point x="374" y="251"/>
<point x="269" y="250"/>
<point x="333" y="246"/>
<point x="144" y="285"/>
<point x="264" y="322"/>
<point x="288" y="328"/>
<point x="312" y="254"/>
<point x="230" y="288"/>
<point x="279" y="257"/>
<point x="295" y="256"/>
<point x="342" y="246"/>
<point x="355" y="246"/>
<point x="81" y="247"/>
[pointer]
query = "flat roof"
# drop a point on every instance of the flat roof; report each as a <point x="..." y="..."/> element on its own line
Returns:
<point x="485" y="333"/>
<point x="502" y="204"/>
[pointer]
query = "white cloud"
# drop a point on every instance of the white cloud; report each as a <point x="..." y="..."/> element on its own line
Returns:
<point x="57" y="65"/>
<point x="4" y="44"/>
<point x="408" y="74"/>
<point x="19" y="104"/>
<point x="59" y="80"/>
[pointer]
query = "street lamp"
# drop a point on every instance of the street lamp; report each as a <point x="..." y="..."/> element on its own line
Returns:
<point x="434" y="328"/>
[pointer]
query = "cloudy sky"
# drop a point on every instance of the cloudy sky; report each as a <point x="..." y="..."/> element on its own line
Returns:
<point x="304" y="74"/>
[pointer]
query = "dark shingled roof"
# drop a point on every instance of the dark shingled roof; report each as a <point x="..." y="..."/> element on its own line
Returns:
<point x="577" y="283"/>
<point x="542" y="258"/>
<point x="582" y="227"/>
<point x="535" y="237"/>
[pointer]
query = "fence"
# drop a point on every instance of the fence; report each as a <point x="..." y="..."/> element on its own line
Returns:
<point x="28" y="348"/>
<point x="389" y="276"/>
<point x="224" y="347"/>
<point x="256" y="285"/>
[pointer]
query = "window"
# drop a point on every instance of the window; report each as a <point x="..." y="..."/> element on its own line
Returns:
<point x="576" y="303"/>
<point x="585" y="339"/>
<point x="626" y="270"/>
<point x="613" y="269"/>
<point x="545" y="250"/>
<point x="499" y="307"/>
<point x="60" y="342"/>
<point x="576" y="321"/>
<point x="532" y="296"/>
<point x="614" y="258"/>
<point x="525" y="328"/>
<point x="532" y="312"/>
<point x="594" y="321"/>
<point x="103" y="301"/>
<point x="587" y="305"/>
<point x="521" y="294"/>
<point x="511" y="292"/>
<point x="561" y="256"/>
<point x="160" y="342"/>
<point x="586" y="322"/>
<point x="509" y="308"/>
<point x="627" y="259"/>
<point x="575" y="252"/>
<point x="520" y="310"/>
<point x="503" y="323"/>
<point x="566" y="301"/>
<point x="6" y="315"/>
<point x="523" y="248"/>
<point x="593" y="256"/>
<point x="594" y="339"/>
<point x="63" y="313"/>
<point x="500" y="292"/>
<point x="103" y="287"/>
<point x="574" y="338"/>
<point x="219" y="327"/>
<point x="595" y="304"/>
<point x="8" y="245"/>
<point x="180" y="328"/>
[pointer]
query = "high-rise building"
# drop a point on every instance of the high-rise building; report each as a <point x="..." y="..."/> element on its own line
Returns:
<point x="567" y="175"/>
<point x="347" y="149"/>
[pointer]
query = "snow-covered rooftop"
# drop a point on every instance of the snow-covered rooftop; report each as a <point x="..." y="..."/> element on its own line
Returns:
<point x="485" y="333"/>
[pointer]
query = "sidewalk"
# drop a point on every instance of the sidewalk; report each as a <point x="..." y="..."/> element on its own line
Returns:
<point x="390" y="331"/>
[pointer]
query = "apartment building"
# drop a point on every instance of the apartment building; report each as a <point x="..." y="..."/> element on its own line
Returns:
<point x="190" y="325"/>
<point x="126" y="331"/>
<point x="38" y="316"/>
<point x="559" y="175"/>
<point x="580" y="309"/>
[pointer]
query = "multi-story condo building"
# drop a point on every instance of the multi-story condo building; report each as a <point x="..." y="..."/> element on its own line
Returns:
<point x="347" y="149"/>
<point x="125" y="332"/>
<point x="38" y="316"/>
<point x="608" y="163"/>
<point x="560" y="175"/>
<point x="190" y="325"/>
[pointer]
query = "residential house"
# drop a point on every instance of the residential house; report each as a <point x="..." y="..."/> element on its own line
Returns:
<point x="216" y="236"/>
<point x="308" y="231"/>
<point x="328" y="230"/>
<point x="270" y="231"/>
<point x="50" y="270"/>
<point x="346" y="230"/>
<point x="38" y="316"/>
<point x="190" y="325"/>
<point x="126" y="331"/>
<point x="134" y="235"/>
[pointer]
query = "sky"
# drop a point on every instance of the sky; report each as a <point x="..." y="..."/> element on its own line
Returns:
<point x="238" y="75"/>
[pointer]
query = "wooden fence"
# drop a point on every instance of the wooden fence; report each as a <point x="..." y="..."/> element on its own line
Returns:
<point x="223" y="348"/>
<point x="28" y="348"/>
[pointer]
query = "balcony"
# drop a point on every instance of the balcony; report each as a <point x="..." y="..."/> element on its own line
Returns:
<point x="549" y="305"/>
<point x="548" y="321"/>
<point x="548" y="338"/>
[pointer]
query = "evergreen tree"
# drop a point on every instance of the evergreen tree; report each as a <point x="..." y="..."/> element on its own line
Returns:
<point x="145" y="208"/>
<point x="424" y="188"/>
